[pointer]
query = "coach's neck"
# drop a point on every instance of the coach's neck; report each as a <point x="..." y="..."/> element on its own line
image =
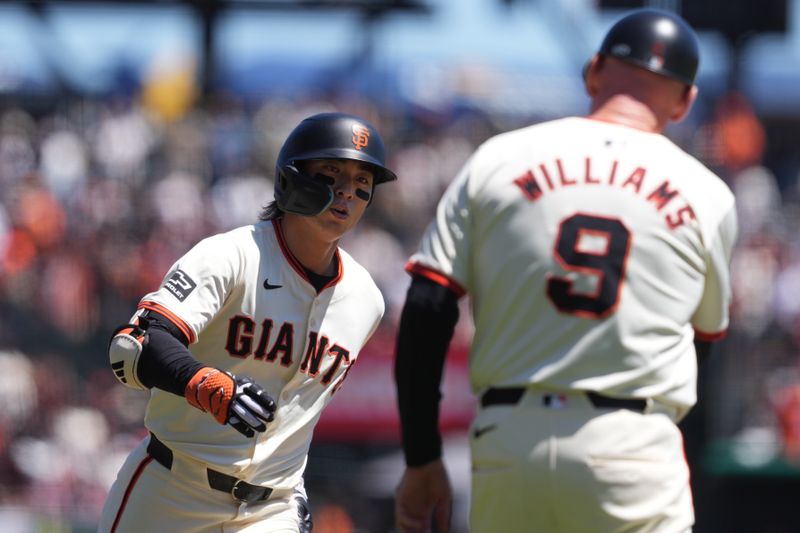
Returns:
<point x="632" y="96"/>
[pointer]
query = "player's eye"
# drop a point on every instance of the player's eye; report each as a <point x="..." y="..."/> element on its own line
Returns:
<point x="324" y="178"/>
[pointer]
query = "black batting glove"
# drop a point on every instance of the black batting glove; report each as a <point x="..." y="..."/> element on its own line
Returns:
<point x="251" y="407"/>
<point x="237" y="401"/>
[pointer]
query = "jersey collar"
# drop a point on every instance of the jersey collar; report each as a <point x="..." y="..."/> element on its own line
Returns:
<point x="297" y="265"/>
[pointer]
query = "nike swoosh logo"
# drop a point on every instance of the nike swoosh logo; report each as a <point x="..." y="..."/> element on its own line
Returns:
<point x="269" y="286"/>
<point x="480" y="431"/>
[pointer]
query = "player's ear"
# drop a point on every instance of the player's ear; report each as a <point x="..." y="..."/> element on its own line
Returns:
<point x="590" y="75"/>
<point x="685" y="104"/>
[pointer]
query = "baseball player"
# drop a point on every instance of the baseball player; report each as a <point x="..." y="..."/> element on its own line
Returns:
<point x="244" y="344"/>
<point x="596" y="254"/>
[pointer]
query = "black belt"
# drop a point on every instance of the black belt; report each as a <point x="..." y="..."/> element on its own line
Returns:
<point x="239" y="489"/>
<point x="512" y="395"/>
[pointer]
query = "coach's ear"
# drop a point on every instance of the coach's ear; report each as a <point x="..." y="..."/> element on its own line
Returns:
<point x="684" y="105"/>
<point x="590" y="71"/>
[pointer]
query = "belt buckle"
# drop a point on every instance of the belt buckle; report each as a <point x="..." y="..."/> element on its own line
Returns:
<point x="237" y="484"/>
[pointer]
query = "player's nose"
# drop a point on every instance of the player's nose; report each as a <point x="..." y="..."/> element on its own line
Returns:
<point x="345" y="187"/>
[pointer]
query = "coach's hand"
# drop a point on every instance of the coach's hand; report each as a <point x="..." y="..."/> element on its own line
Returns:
<point x="423" y="495"/>
<point x="240" y="402"/>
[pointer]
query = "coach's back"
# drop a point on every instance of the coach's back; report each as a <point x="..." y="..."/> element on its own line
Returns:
<point x="591" y="250"/>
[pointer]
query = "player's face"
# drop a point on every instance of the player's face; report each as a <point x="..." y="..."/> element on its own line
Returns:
<point x="352" y="183"/>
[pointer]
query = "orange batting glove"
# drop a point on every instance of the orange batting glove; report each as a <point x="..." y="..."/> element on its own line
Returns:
<point x="240" y="402"/>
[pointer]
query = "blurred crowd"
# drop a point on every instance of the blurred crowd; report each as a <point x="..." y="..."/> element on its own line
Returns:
<point x="98" y="197"/>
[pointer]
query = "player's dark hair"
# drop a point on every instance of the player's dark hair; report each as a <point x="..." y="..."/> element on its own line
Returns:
<point x="271" y="211"/>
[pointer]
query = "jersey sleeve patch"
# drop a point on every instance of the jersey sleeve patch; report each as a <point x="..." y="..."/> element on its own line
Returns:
<point x="180" y="285"/>
<point x="436" y="277"/>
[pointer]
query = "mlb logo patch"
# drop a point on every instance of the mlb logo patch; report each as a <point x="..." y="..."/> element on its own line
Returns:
<point x="180" y="284"/>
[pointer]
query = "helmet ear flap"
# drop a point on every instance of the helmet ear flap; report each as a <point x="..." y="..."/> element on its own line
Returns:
<point x="301" y="194"/>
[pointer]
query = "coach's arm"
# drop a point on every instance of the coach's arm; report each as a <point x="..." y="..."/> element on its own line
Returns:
<point x="426" y="328"/>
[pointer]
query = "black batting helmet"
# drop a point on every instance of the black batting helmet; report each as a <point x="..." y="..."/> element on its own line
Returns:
<point x="324" y="136"/>
<point x="656" y="40"/>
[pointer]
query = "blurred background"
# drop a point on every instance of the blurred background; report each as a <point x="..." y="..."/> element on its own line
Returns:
<point x="131" y="129"/>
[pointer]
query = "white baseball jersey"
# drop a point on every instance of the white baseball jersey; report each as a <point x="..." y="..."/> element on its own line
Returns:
<point x="594" y="253"/>
<point x="246" y="305"/>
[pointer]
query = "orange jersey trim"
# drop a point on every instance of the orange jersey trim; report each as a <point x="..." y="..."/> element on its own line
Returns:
<point x="172" y="317"/>
<point x="276" y="223"/>
<point x="339" y="272"/>
<point x="136" y="475"/>
<point x="437" y="277"/>
<point x="709" y="337"/>
<point x="297" y="265"/>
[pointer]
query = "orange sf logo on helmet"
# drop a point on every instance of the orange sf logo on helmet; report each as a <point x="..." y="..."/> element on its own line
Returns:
<point x="360" y="137"/>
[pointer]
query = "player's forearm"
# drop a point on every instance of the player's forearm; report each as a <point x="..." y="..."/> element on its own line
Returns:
<point x="166" y="363"/>
<point x="426" y="328"/>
